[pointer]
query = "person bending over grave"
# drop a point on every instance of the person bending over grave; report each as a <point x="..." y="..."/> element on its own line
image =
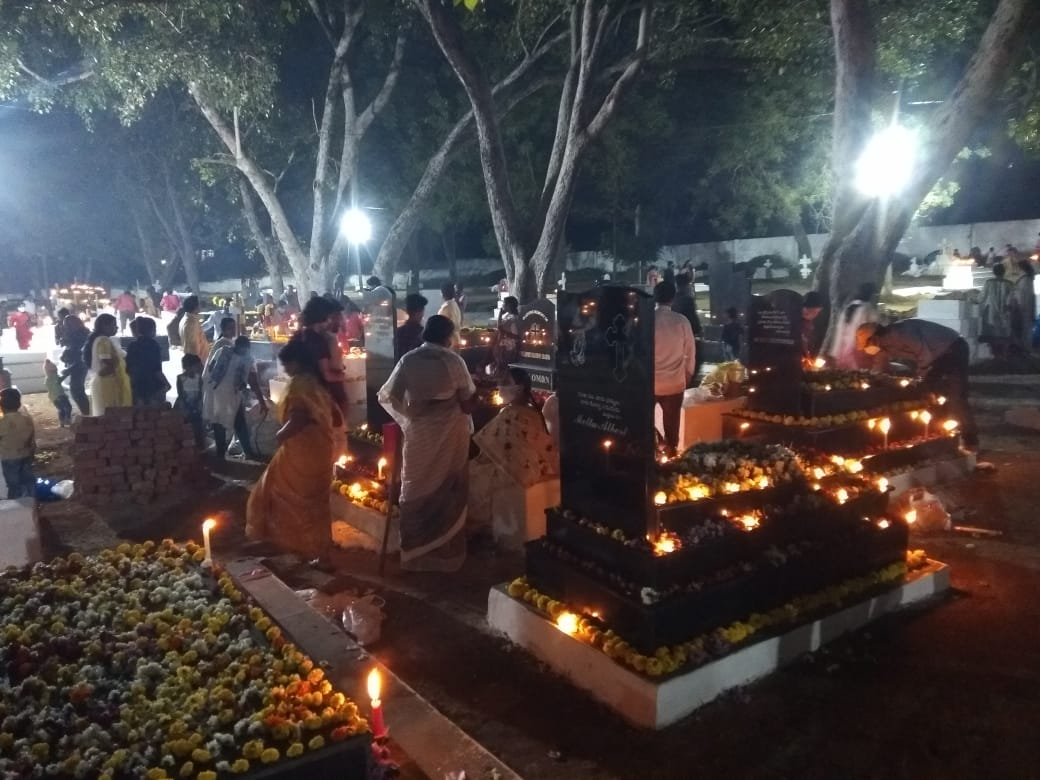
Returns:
<point x="674" y="361"/>
<point x="938" y="355"/>
<point x="430" y="395"/>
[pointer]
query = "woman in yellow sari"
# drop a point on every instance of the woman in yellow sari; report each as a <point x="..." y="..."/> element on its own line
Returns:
<point x="289" y="506"/>
<point x="109" y="382"/>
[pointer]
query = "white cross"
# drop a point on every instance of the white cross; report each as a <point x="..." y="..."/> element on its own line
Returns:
<point x="806" y="266"/>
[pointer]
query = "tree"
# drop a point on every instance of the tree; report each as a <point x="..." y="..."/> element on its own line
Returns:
<point x="530" y="247"/>
<point x="865" y="231"/>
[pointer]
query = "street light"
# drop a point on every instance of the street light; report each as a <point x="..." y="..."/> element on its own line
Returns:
<point x="357" y="229"/>
<point x="885" y="166"/>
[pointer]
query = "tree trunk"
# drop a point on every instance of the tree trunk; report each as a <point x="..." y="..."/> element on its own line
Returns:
<point x="265" y="245"/>
<point x="185" y="244"/>
<point x="801" y="239"/>
<point x="265" y="191"/>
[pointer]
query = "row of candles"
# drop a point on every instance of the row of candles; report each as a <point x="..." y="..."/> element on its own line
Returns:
<point x="884" y="424"/>
<point x="374" y="682"/>
<point x="345" y="460"/>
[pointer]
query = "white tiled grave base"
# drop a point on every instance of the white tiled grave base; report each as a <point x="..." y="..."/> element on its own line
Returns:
<point x="19" y="533"/>
<point x="369" y="524"/>
<point x="932" y="473"/>
<point x="656" y="704"/>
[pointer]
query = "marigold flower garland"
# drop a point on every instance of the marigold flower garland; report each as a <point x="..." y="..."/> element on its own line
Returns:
<point x="130" y="664"/>
<point x="670" y="659"/>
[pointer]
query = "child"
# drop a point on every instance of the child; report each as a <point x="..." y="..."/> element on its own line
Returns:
<point x="57" y="394"/>
<point x="17" y="445"/>
<point x="189" y="395"/>
<point x="732" y="332"/>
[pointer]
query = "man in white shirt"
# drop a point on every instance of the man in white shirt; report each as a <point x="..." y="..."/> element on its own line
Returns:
<point x="674" y="360"/>
<point x="450" y="309"/>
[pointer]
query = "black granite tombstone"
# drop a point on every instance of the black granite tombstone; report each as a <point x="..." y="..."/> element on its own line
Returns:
<point x="775" y="348"/>
<point x="380" y="349"/>
<point x="538" y="343"/>
<point x="727" y="287"/>
<point x="605" y="375"/>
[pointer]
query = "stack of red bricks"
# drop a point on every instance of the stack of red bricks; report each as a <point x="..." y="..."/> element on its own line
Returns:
<point x="133" y="454"/>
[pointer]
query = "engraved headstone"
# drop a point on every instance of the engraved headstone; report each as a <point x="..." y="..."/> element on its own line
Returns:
<point x="775" y="347"/>
<point x="605" y="374"/>
<point x="538" y="343"/>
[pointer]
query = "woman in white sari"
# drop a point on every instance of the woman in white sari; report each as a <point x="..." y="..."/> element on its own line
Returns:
<point x="430" y="395"/>
<point x="860" y="311"/>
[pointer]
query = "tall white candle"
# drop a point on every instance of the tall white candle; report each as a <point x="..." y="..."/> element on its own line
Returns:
<point x="208" y="526"/>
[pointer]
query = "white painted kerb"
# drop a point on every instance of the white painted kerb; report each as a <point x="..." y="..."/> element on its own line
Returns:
<point x="654" y="705"/>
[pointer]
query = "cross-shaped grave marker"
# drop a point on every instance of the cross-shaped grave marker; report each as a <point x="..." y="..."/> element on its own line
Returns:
<point x="617" y="338"/>
<point x="805" y="263"/>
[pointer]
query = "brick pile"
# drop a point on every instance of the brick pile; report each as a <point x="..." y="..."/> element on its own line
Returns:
<point x="133" y="454"/>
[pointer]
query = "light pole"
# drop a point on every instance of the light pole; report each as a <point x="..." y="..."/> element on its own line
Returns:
<point x="886" y="164"/>
<point x="357" y="229"/>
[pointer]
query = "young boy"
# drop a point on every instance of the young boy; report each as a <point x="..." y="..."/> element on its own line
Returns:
<point x="17" y="445"/>
<point x="189" y="395"/>
<point x="57" y="394"/>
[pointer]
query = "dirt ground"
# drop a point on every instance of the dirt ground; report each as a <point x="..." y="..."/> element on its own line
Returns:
<point x="948" y="691"/>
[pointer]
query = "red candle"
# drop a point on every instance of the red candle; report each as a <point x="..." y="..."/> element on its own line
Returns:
<point x="374" y="685"/>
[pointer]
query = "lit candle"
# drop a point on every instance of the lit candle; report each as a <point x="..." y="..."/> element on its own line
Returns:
<point x="882" y="485"/>
<point x="607" y="444"/>
<point x="208" y="526"/>
<point x="904" y="382"/>
<point x="567" y="622"/>
<point x="885" y="425"/>
<point x="379" y="468"/>
<point x="660" y="498"/>
<point x="882" y="524"/>
<point x="842" y="495"/>
<point x="819" y="363"/>
<point x="941" y="400"/>
<point x="910" y="517"/>
<point x="374" y="686"/>
<point x="950" y="426"/>
<point x="342" y="461"/>
<point x="925" y="417"/>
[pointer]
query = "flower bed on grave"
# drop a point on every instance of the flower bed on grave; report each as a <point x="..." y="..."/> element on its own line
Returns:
<point x="136" y="662"/>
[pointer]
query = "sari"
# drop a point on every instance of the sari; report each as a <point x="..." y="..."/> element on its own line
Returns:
<point x="423" y="395"/>
<point x="844" y="353"/>
<point x="517" y="443"/>
<point x="113" y="389"/>
<point x="289" y="506"/>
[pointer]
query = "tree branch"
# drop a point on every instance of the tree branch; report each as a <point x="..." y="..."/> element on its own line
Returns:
<point x="382" y="97"/>
<point x="54" y="82"/>
<point x="610" y="103"/>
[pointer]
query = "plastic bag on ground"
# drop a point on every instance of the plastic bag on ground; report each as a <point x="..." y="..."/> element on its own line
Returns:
<point x="363" y="618"/>
<point x="924" y="511"/>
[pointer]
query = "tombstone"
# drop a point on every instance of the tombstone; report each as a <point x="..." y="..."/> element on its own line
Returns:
<point x="605" y="374"/>
<point x="380" y="349"/>
<point x="538" y="343"/>
<point x="775" y="348"/>
<point x="914" y="269"/>
<point x="727" y="287"/>
<point x="805" y="265"/>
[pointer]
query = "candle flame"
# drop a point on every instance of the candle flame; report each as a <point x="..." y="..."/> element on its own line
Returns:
<point x="950" y="425"/>
<point x="914" y="415"/>
<point x="904" y="383"/>
<point x="883" y="524"/>
<point x="496" y="398"/>
<point x="911" y="517"/>
<point x="665" y="543"/>
<point x="342" y="460"/>
<point x="819" y="362"/>
<point x="381" y="464"/>
<point x="885" y="425"/>
<point x="607" y="444"/>
<point x="697" y="492"/>
<point x="749" y="522"/>
<point x="864" y="385"/>
<point x="744" y="426"/>
<point x="871" y="423"/>
<point x="763" y="482"/>
<point x="819" y="473"/>
<point x="837" y="460"/>
<point x="731" y="487"/>
<point x="567" y="622"/>
<point x="375" y="685"/>
<point x="925" y="417"/>
<point x="853" y="466"/>
<point x="209" y="524"/>
<point x="660" y="498"/>
<point x="827" y="387"/>
<point x="816" y="486"/>
<point x="882" y="484"/>
<point x="842" y="495"/>
<point x="941" y="400"/>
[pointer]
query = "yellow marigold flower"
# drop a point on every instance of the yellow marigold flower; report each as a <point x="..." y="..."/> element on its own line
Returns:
<point x="316" y="676"/>
<point x="40" y="750"/>
<point x="269" y="756"/>
<point x="253" y="749"/>
<point x="187" y="770"/>
<point x="517" y="588"/>
<point x="654" y="667"/>
<point x="273" y="633"/>
<point x="240" y="766"/>
<point x="263" y="623"/>
<point x="207" y="775"/>
<point x="156" y="773"/>
<point x="295" y="749"/>
<point x="313" y="723"/>
<point x="200" y="755"/>
<point x="316" y="743"/>
<point x="199" y="556"/>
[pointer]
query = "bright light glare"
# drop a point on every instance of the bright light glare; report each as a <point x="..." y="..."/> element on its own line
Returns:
<point x="885" y="165"/>
<point x="356" y="226"/>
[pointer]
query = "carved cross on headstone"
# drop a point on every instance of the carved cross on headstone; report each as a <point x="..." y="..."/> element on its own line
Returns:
<point x="806" y="266"/>
<point x="616" y="337"/>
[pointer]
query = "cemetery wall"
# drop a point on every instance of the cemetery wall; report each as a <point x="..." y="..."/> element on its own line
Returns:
<point x="133" y="454"/>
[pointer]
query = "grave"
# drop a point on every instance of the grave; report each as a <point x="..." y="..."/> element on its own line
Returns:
<point x="538" y="343"/>
<point x="657" y="585"/>
<point x="774" y="346"/>
<point x="380" y="350"/>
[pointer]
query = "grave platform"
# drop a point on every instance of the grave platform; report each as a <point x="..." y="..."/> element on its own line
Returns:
<point x="656" y="703"/>
<point x="368" y="521"/>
